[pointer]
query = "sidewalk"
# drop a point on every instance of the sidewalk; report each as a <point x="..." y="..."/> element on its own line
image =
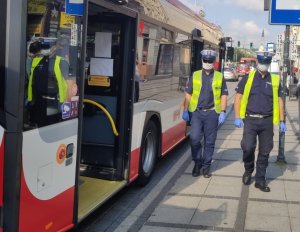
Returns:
<point x="222" y="202"/>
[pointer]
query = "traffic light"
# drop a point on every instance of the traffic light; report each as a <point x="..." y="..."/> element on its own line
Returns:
<point x="230" y="53"/>
<point x="251" y="45"/>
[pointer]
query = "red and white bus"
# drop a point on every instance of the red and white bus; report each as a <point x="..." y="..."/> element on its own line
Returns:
<point x="71" y="134"/>
<point x="245" y="65"/>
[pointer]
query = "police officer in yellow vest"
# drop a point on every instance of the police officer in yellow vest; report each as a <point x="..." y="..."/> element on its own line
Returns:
<point x="258" y="105"/>
<point x="47" y="87"/>
<point x="206" y="100"/>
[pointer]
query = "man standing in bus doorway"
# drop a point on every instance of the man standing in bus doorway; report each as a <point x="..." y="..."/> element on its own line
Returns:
<point x="206" y="100"/>
<point x="258" y="105"/>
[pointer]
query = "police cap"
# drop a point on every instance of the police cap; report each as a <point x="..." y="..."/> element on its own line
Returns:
<point x="208" y="54"/>
<point x="264" y="57"/>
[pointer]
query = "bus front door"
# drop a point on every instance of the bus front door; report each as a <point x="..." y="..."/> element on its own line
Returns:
<point x="108" y="103"/>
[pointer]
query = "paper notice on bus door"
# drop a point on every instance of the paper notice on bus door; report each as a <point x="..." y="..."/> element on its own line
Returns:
<point x="103" y="44"/>
<point x="101" y="67"/>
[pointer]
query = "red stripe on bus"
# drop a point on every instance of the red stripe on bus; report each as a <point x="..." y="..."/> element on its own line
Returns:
<point x="173" y="136"/>
<point x="55" y="214"/>
<point x="134" y="164"/>
<point x="1" y="169"/>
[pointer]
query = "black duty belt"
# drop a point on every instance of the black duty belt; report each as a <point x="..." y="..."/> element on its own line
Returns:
<point x="258" y="116"/>
<point x="206" y="109"/>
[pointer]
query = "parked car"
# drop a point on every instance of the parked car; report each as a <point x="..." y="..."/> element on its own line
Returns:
<point x="230" y="74"/>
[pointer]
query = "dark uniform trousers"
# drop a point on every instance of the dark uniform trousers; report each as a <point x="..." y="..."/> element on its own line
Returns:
<point x="263" y="129"/>
<point x="203" y="123"/>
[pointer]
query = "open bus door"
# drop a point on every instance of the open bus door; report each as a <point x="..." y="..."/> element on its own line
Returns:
<point x="111" y="34"/>
<point x="2" y="94"/>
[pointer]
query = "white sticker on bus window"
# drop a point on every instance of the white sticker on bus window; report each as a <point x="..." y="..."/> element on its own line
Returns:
<point x="74" y="35"/>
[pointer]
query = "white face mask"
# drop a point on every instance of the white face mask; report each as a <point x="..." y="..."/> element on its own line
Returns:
<point x="263" y="67"/>
<point x="207" y="66"/>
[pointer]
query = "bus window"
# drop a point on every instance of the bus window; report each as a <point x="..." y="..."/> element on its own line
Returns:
<point x="51" y="64"/>
<point x="147" y="47"/>
<point x="2" y="62"/>
<point x="181" y="62"/>
<point x="165" y="59"/>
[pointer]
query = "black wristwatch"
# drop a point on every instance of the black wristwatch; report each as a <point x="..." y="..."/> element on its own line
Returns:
<point x="223" y="111"/>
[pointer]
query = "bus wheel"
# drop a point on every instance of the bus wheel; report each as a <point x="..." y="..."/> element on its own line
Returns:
<point x="148" y="154"/>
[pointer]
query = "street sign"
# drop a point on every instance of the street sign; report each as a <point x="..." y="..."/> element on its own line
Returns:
<point x="285" y="12"/>
<point x="270" y="47"/>
<point x="75" y="7"/>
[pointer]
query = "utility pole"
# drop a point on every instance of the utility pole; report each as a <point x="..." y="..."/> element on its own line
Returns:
<point x="281" y="156"/>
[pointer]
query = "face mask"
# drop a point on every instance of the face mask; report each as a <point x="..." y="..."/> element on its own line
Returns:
<point x="263" y="67"/>
<point x="45" y="52"/>
<point x="207" y="66"/>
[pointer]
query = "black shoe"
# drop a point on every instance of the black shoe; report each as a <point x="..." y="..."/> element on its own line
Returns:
<point x="262" y="187"/>
<point x="196" y="170"/>
<point x="247" y="178"/>
<point x="206" y="173"/>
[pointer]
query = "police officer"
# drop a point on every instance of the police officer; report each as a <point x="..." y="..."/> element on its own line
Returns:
<point x="47" y="87"/>
<point x="206" y="100"/>
<point x="258" y="105"/>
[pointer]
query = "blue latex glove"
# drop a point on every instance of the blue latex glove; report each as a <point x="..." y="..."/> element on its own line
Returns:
<point x="186" y="116"/>
<point x="221" y="118"/>
<point x="238" y="123"/>
<point x="282" y="127"/>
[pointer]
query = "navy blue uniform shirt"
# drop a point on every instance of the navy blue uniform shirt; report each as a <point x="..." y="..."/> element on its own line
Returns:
<point x="261" y="94"/>
<point x="206" y="98"/>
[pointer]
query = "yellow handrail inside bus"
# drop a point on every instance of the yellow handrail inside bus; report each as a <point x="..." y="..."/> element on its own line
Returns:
<point x="113" y="125"/>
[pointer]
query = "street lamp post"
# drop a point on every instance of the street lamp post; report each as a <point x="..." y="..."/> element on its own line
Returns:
<point x="281" y="156"/>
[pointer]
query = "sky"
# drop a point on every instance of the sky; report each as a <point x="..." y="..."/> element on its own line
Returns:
<point x="242" y="20"/>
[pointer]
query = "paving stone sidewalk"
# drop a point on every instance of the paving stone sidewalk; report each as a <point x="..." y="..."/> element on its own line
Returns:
<point x="222" y="202"/>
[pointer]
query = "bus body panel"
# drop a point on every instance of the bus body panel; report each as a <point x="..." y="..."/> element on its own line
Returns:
<point x="1" y="164"/>
<point x="48" y="177"/>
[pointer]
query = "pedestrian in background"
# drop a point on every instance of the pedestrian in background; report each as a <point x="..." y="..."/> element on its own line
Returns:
<point x="206" y="101"/>
<point x="258" y="105"/>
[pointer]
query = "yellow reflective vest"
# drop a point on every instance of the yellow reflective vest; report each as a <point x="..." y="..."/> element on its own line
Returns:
<point x="61" y="82"/>
<point x="216" y="87"/>
<point x="275" y="86"/>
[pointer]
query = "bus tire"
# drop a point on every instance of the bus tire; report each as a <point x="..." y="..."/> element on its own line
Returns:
<point x="148" y="153"/>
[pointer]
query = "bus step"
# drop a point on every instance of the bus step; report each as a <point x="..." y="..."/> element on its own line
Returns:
<point x="98" y="172"/>
<point x="96" y="144"/>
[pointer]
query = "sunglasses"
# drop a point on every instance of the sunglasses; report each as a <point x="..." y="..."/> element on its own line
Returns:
<point x="264" y="61"/>
<point x="208" y="61"/>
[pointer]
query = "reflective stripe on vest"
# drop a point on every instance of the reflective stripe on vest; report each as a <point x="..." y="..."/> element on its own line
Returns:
<point x="275" y="86"/>
<point x="216" y="87"/>
<point x="61" y="82"/>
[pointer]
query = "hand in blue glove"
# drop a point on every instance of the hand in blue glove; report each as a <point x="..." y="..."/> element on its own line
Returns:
<point x="221" y="118"/>
<point x="238" y="123"/>
<point x="282" y="127"/>
<point x="186" y="116"/>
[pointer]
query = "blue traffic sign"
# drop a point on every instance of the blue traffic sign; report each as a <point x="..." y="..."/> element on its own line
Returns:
<point x="285" y="12"/>
<point x="75" y="7"/>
